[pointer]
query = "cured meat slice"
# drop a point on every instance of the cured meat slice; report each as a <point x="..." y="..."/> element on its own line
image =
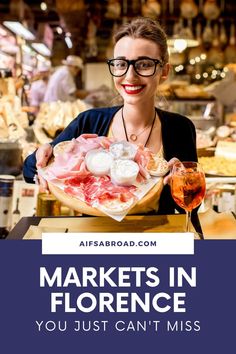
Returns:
<point x="101" y="191"/>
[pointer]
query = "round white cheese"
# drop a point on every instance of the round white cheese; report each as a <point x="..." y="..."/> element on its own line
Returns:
<point x="124" y="172"/>
<point x="98" y="162"/>
<point x="123" y="150"/>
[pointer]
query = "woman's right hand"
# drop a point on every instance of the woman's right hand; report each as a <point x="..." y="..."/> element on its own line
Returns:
<point x="171" y="163"/>
<point x="43" y="155"/>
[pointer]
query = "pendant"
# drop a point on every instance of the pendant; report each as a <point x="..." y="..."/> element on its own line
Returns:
<point x="133" y="137"/>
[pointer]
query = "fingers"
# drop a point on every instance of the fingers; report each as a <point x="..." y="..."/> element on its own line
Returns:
<point x="83" y="137"/>
<point x="86" y="136"/>
<point x="171" y="163"/>
<point x="167" y="179"/>
<point x="43" y="186"/>
<point x="43" y="154"/>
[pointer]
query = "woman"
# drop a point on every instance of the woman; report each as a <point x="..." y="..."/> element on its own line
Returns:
<point x="140" y="64"/>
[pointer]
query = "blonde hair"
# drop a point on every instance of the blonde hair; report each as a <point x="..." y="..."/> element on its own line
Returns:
<point x="146" y="28"/>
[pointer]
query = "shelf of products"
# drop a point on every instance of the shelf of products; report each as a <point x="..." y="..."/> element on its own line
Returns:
<point x="205" y="113"/>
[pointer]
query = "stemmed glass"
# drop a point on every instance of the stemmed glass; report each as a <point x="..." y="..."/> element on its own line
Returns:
<point x="188" y="186"/>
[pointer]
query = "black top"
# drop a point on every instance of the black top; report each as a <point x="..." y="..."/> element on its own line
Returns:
<point x="178" y="139"/>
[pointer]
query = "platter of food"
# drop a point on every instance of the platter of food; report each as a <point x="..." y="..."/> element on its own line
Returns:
<point x="84" y="208"/>
<point x="97" y="176"/>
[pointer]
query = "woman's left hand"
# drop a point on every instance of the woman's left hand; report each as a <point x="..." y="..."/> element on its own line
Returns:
<point x="171" y="163"/>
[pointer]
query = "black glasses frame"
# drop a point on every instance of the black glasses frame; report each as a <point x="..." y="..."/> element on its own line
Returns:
<point x="133" y="62"/>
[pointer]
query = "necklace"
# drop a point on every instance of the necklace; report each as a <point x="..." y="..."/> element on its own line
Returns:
<point x="133" y="137"/>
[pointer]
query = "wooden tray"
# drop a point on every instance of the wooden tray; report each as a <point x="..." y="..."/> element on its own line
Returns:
<point x="74" y="203"/>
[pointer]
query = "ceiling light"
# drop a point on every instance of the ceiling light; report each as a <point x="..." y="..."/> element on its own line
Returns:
<point x="41" y="49"/>
<point x="180" y="44"/>
<point x="18" y="28"/>
<point x="43" y="6"/>
<point x="68" y="42"/>
<point x="59" y="30"/>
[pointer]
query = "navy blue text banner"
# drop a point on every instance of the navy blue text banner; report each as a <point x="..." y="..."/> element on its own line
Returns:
<point x="46" y="308"/>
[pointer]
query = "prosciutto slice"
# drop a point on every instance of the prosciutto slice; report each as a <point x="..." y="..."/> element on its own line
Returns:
<point x="70" y="161"/>
<point x="93" y="189"/>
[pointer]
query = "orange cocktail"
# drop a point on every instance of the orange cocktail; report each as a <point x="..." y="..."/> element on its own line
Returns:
<point x="188" y="186"/>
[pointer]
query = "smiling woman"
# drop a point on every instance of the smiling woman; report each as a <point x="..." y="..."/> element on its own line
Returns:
<point x="139" y="65"/>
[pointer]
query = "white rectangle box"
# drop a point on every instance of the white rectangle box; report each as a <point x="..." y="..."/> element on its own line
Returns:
<point x="117" y="243"/>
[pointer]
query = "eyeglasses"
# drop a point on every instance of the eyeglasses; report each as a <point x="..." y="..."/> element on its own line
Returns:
<point x="143" y="66"/>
